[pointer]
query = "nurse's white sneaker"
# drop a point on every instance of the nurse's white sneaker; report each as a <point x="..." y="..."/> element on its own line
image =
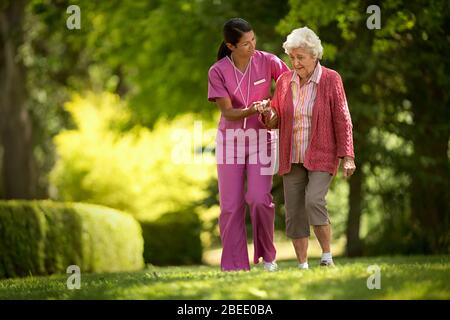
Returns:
<point x="270" y="266"/>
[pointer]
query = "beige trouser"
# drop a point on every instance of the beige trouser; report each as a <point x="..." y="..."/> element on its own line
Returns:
<point x="304" y="199"/>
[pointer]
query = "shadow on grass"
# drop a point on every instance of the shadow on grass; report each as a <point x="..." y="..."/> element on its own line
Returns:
<point x="417" y="277"/>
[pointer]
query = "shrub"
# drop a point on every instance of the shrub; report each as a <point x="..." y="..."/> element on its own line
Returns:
<point x="173" y="239"/>
<point x="44" y="237"/>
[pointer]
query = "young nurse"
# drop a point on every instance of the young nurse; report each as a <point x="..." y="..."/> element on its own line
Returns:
<point x="239" y="83"/>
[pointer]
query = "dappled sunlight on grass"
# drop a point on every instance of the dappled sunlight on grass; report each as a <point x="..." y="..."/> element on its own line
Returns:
<point x="419" y="277"/>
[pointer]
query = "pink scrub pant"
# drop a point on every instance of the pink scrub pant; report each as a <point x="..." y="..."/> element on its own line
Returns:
<point x="233" y="197"/>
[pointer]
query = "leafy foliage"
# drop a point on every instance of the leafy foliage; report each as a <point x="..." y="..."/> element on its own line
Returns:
<point x="43" y="237"/>
<point x="173" y="239"/>
<point x="146" y="173"/>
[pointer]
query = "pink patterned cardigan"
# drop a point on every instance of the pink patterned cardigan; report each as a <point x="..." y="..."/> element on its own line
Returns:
<point x="331" y="136"/>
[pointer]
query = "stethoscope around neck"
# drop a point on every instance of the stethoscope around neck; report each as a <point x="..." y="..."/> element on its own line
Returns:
<point x="238" y="83"/>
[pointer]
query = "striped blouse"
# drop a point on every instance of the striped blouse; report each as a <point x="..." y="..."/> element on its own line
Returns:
<point x="303" y="100"/>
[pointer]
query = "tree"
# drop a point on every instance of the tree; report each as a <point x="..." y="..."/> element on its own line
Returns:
<point x="422" y="46"/>
<point x="18" y="165"/>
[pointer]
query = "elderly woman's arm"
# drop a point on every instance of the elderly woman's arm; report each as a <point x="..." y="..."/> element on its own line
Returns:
<point x="343" y="127"/>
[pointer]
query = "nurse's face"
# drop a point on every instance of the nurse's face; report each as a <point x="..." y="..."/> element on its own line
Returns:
<point x="246" y="46"/>
<point x="302" y="61"/>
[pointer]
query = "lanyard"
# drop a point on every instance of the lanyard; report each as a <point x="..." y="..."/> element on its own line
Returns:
<point x="238" y="83"/>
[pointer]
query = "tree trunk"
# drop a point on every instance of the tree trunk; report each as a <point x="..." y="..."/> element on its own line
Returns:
<point x="430" y="185"/>
<point x="18" y="166"/>
<point x="354" y="244"/>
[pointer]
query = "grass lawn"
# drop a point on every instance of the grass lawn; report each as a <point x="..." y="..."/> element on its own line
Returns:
<point x="402" y="277"/>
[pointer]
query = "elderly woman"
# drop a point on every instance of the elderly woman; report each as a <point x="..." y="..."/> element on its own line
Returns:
<point x="310" y="109"/>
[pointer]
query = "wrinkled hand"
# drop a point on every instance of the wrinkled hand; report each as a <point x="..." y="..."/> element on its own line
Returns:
<point x="269" y="114"/>
<point x="263" y="106"/>
<point x="348" y="166"/>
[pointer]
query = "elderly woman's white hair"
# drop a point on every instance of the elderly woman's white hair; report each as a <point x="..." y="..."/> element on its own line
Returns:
<point x="304" y="38"/>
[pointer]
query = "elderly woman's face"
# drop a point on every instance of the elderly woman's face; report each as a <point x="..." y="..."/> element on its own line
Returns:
<point x="302" y="61"/>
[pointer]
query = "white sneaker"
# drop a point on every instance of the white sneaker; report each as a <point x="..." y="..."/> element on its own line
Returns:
<point x="270" y="266"/>
<point x="303" y="266"/>
<point x="327" y="263"/>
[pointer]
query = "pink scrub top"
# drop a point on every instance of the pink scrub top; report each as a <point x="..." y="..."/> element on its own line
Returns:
<point x="255" y="84"/>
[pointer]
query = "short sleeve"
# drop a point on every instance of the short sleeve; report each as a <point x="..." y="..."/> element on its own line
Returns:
<point x="277" y="66"/>
<point x="216" y="85"/>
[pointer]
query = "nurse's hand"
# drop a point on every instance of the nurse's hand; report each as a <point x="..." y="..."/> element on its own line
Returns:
<point x="253" y="109"/>
<point x="263" y="106"/>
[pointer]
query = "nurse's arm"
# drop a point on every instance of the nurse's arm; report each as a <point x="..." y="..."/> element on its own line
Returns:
<point x="231" y="113"/>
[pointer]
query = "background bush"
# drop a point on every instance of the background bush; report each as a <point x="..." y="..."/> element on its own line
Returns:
<point x="44" y="237"/>
<point x="173" y="239"/>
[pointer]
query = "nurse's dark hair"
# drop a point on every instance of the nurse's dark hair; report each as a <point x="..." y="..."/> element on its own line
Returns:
<point x="233" y="30"/>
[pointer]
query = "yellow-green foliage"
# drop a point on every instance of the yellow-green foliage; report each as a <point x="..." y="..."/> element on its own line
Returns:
<point x="44" y="237"/>
<point x="144" y="172"/>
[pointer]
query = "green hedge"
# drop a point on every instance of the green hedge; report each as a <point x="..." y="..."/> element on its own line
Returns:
<point x="44" y="237"/>
<point x="173" y="239"/>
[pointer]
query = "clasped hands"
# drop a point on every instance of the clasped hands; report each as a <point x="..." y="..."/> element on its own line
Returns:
<point x="263" y="107"/>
